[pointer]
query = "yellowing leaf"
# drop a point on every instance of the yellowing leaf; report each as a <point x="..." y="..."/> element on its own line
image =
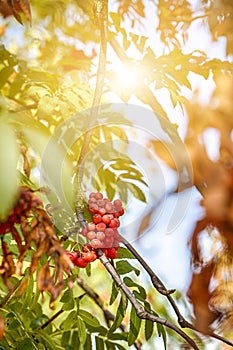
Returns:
<point x="8" y="171"/>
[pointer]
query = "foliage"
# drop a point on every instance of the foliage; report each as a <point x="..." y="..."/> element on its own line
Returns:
<point x="48" y="78"/>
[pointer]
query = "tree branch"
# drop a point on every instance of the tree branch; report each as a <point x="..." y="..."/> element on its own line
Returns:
<point x="140" y="311"/>
<point x="160" y="287"/>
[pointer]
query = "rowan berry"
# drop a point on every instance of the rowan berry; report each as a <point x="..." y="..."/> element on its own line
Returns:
<point x="81" y="262"/>
<point x="109" y="232"/>
<point x="100" y="235"/>
<point x="96" y="243"/>
<point x="90" y="256"/>
<point x="91" y="226"/>
<point x="101" y="226"/>
<point x="106" y="219"/>
<point x="96" y="218"/>
<point x="109" y="207"/>
<point x="114" y="223"/>
<point x="102" y="211"/>
<point x="99" y="195"/>
<point x="87" y="248"/>
<point x="112" y="253"/>
<point x="91" y="235"/>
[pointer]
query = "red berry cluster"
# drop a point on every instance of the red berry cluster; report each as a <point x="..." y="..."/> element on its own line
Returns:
<point x="27" y="201"/>
<point x="102" y="231"/>
<point x="81" y="259"/>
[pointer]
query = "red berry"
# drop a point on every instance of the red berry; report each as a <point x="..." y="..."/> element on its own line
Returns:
<point x="108" y="242"/>
<point x="84" y="232"/>
<point x="87" y="248"/>
<point x="93" y="208"/>
<point x="109" y="232"/>
<point x="91" y="226"/>
<point x="92" y="195"/>
<point x="105" y="251"/>
<point x="112" y="253"/>
<point x="80" y="262"/>
<point x="102" y="211"/>
<point x="90" y="256"/>
<point x="114" y="223"/>
<point x="117" y="204"/>
<point x="96" y="243"/>
<point x="96" y="218"/>
<point x="106" y="219"/>
<point x="100" y="235"/>
<point x="72" y="255"/>
<point x="99" y="195"/>
<point x="101" y="226"/>
<point x="92" y="201"/>
<point x="119" y="213"/>
<point x="91" y="235"/>
<point x="109" y="207"/>
<point x="101" y="203"/>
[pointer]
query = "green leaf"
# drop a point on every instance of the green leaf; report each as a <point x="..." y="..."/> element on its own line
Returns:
<point x="69" y="305"/>
<point x="8" y="174"/>
<point x="75" y="340"/>
<point x="99" y="343"/>
<point x="65" y="338"/>
<point x="89" y="318"/>
<point x="57" y="170"/>
<point x="38" y="322"/>
<point x="88" y="343"/>
<point x="68" y="323"/>
<point x="5" y="73"/>
<point x="46" y="340"/>
<point x="68" y="294"/>
<point x="114" y="293"/>
<point x="119" y="315"/>
<point x="81" y="330"/>
<point x="149" y="328"/>
<point x="118" y="336"/>
<point x="133" y="176"/>
<point x="68" y="300"/>
<point x="120" y="347"/>
<point x="149" y="325"/>
<point x="26" y="344"/>
<point x="161" y="331"/>
<point x="100" y="330"/>
<point x="137" y="192"/>
<point x="134" y="328"/>
<point x="28" y="294"/>
<point x="130" y="283"/>
<point x="110" y="345"/>
<point x="124" y="267"/>
<point x="124" y="253"/>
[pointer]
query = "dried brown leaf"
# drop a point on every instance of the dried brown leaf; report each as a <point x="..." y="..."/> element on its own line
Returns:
<point x="2" y="327"/>
<point x="200" y="296"/>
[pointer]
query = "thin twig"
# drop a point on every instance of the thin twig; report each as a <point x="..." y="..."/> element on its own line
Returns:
<point x="10" y="293"/>
<point x="140" y="311"/>
<point x="52" y="319"/>
<point x="94" y="296"/>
